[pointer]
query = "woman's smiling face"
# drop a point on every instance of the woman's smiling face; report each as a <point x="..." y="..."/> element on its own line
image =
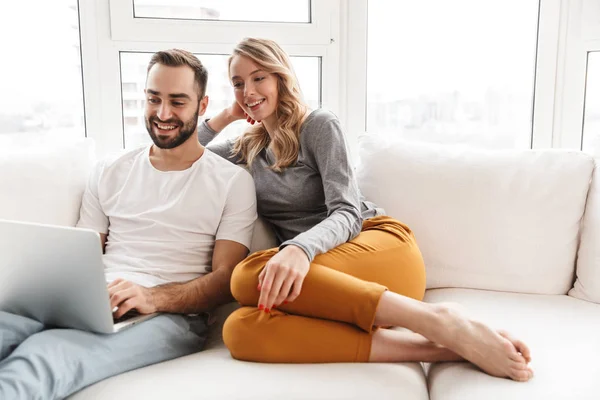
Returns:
<point x="255" y="89"/>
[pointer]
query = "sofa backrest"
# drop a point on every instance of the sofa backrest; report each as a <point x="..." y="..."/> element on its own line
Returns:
<point x="587" y="285"/>
<point x="44" y="183"/>
<point x="496" y="220"/>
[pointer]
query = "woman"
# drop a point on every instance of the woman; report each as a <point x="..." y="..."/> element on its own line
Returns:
<point x="343" y="268"/>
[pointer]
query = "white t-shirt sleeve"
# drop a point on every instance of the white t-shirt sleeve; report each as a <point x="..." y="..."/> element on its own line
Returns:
<point x="239" y="213"/>
<point x="91" y="215"/>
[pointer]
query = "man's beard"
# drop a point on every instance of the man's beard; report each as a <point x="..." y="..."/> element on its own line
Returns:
<point x="185" y="131"/>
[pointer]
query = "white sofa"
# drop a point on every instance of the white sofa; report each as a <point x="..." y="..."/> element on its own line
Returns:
<point x="503" y="233"/>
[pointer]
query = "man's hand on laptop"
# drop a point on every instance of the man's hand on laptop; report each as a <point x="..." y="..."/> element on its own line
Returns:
<point x="126" y="296"/>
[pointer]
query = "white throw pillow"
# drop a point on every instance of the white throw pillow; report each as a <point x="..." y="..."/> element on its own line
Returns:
<point x="44" y="183"/>
<point x="496" y="220"/>
<point x="587" y="286"/>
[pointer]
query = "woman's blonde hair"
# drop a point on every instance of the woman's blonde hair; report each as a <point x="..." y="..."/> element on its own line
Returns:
<point x="290" y="110"/>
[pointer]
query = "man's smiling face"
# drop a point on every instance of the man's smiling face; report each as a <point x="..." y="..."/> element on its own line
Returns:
<point x="172" y="105"/>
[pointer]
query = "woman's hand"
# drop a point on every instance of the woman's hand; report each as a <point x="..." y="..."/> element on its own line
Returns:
<point x="281" y="279"/>
<point x="236" y="112"/>
<point x="228" y="115"/>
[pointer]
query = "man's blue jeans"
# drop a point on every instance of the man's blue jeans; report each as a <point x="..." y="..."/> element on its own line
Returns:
<point x="40" y="363"/>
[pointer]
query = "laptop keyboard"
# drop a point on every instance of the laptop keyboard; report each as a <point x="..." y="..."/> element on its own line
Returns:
<point x="129" y="314"/>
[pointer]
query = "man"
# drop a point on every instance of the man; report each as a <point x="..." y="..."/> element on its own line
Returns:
<point x="174" y="220"/>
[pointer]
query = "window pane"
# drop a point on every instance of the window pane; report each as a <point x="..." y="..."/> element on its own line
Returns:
<point x="451" y="71"/>
<point x="591" y="121"/>
<point x="219" y="90"/>
<point x="42" y="95"/>
<point x="230" y="10"/>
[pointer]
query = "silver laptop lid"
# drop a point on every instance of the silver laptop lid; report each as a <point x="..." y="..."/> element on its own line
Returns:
<point x="54" y="275"/>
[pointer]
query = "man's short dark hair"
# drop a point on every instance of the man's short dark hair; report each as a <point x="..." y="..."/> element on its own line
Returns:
<point x="177" y="58"/>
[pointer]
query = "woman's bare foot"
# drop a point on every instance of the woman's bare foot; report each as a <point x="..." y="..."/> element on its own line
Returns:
<point x="496" y="353"/>
<point x="519" y="345"/>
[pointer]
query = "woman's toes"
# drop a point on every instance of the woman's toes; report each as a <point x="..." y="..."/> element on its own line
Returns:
<point x="519" y="345"/>
<point x="519" y="366"/>
<point x="519" y="375"/>
<point x="531" y="374"/>
<point x="518" y="358"/>
<point x="523" y="349"/>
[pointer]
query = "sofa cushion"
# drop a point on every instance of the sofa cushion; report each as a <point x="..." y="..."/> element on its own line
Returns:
<point x="213" y="374"/>
<point x="498" y="220"/>
<point x="563" y="334"/>
<point x="44" y="183"/>
<point x="587" y="285"/>
<point x="263" y="236"/>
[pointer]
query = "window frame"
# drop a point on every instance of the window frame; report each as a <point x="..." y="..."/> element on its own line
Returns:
<point x="582" y="36"/>
<point x="124" y="26"/>
<point x="108" y="28"/>
<point x="551" y="23"/>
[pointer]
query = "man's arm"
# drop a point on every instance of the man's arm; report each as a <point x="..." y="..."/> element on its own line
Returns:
<point x="91" y="214"/>
<point x="232" y="241"/>
<point x="206" y="292"/>
<point x="103" y="237"/>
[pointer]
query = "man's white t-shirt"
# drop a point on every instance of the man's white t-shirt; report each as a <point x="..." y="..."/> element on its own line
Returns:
<point x="162" y="226"/>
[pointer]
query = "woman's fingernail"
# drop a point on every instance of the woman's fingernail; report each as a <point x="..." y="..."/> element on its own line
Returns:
<point x="260" y="306"/>
<point x="285" y="302"/>
<point x="258" y="287"/>
<point x="267" y="310"/>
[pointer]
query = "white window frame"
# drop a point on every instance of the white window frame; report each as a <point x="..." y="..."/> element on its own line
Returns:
<point x="582" y="35"/>
<point x="124" y="26"/>
<point x="551" y="24"/>
<point x="108" y="28"/>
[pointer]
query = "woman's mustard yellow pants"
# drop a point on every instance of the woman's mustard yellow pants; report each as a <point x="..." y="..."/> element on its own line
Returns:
<point x="332" y="318"/>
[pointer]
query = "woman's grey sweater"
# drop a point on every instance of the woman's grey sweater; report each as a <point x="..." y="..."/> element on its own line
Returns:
<point x="315" y="203"/>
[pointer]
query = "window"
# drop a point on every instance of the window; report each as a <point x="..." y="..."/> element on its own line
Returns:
<point x="119" y="38"/>
<point x="219" y="91"/>
<point x="591" y="122"/>
<point x="232" y="10"/>
<point x="452" y="76"/>
<point x="41" y="76"/>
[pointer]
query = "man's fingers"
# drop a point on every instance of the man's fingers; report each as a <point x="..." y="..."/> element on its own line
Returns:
<point x="120" y="296"/>
<point x="122" y="285"/>
<point x="124" y="308"/>
<point x="115" y="283"/>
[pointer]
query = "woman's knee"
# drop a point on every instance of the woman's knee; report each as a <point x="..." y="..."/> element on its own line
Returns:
<point x="240" y="331"/>
<point x="412" y="281"/>
<point x="244" y="280"/>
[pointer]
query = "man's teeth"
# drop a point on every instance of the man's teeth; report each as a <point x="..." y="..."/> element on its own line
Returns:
<point x="166" y="127"/>
<point x="255" y="103"/>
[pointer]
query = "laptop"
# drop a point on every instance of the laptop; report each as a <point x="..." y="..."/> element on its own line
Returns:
<point x="55" y="275"/>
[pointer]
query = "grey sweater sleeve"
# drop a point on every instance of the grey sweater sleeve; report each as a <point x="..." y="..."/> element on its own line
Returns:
<point x="223" y="149"/>
<point x="327" y="147"/>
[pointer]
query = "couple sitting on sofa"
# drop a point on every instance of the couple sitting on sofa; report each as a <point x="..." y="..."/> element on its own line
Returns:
<point x="176" y="222"/>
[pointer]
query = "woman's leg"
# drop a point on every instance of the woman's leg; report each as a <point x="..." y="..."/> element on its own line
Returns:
<point x="389" y="345"/>
<point x="496" y="353"/>
<point x="340" y="286"/>
<point x="277" y="337"/>
<point x="346" y="283"/>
